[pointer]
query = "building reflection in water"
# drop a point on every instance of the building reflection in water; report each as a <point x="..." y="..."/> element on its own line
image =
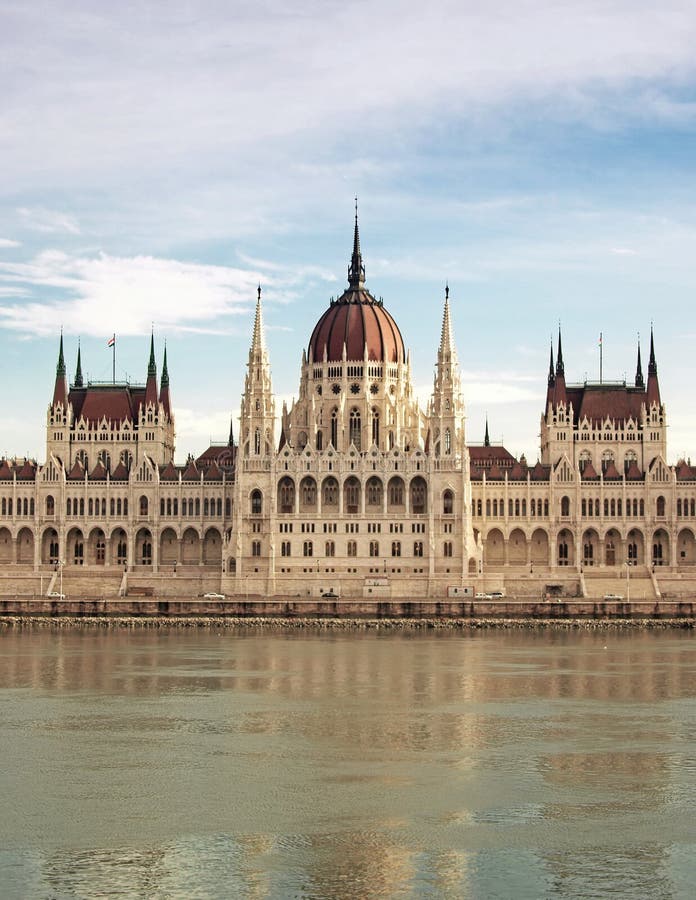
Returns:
<point x="348" y="765"/>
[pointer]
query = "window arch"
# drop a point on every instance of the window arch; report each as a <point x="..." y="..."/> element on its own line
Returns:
<point x="143" y="505"/>
<point x="375" y="426"/>
<point x="256" y="502"/>
<point x="355" y="429"/>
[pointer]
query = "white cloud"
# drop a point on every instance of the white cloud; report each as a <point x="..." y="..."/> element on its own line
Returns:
<point x="107" y="293"/>
<point x="48" y="221"/>
<point x="6" y="242"/>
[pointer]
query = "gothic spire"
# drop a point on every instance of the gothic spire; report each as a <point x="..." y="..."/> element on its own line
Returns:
<point x="560" y="369"/>
<point x="356" y="271"/>
<point x="165" y="399"/>
<point x="446" y="342"/>
<point x="60" y="390"/>
<point x="164" y="381"/>
<point x="152" y="366"/>
<point x="652" y="364"/>
<point x="486" y="438"/>
<point x="551" y="373"/>
<point x="230" y="440"/>
<point x="257" y="338"/>
<point x="78" y="371"/>
<point x="151" y="383"/>
<point x="639" y="371"/>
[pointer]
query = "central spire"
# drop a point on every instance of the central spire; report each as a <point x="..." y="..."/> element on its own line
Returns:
<point x="356" y="271"/>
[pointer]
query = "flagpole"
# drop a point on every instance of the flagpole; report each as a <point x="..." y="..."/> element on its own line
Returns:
<point x="113" y="362"/>
<point x="600" y="357"/>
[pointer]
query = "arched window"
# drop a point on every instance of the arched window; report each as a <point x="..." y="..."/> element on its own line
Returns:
<point x="307" y="548"/>
<point x="320" y="440"/>
<point x="257" y="442"/>
<point x="330" y="548"/>
<point x="286" y="495"/>
<point x="448" y="441"/>
<point x="143" y="506"/>
<point x="448" y="503"/>
<point x="329" y="492"/>
<point x="355" y="429"/>
<point x="374" y="548"/>
<point x="50" y="506"/>
<point x="565" y="506"/>
<point x="660" y="506"/>
<point x="334" y="428"/>
<point x="419" y="494"/>
<point x="375" y="426"/>
<point x="374" y="492"/>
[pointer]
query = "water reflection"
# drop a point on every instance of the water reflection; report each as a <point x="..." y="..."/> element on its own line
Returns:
<point x="262" y="764"/>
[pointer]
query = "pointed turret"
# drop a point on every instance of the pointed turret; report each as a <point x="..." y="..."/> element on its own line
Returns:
<point x="559" y="387"/>
<point x="356" y="271"/>
<point x="486" y="437"/>
<point x="258" y="344"/>
<point x="653" y="389"/>
<point x="60" y="391"/>
<point x="552" y="375"/>
<point x="230" y="439"/>
<point x="447" y="348"/>
<point x="639" y="372"/>
<point x="560" y="368"/>
<point x="78" y="371"/>
<point x="165" y="399"/>
<point x="257" y="414"/>
<point x="151" y="385"/>
<point x="446" y="405"/>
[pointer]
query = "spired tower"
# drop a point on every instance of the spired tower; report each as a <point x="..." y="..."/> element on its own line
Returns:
<point x="366" y="494"/>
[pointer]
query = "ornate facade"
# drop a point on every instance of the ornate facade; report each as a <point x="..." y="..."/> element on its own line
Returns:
<point x="355" y="490"/>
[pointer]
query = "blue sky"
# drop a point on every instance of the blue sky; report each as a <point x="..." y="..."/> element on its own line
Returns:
<point x="161" y="159"/>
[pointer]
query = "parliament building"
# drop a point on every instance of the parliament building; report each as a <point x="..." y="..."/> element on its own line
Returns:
<point x="355" y="490"/>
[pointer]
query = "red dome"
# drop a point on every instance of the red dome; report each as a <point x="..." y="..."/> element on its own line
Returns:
<point x="356" y="319"/>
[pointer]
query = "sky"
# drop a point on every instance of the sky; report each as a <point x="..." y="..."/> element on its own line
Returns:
<point x="159" y="160"/>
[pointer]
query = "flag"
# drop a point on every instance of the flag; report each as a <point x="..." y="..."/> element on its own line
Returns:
<point x="600" y="338"/>
<point x="111" y="342"/>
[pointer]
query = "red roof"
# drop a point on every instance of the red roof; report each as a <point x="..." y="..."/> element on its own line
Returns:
<point x="356" y="319"/>
<point x="589" y="472"/>
<point x="77" y="473"/>
<point x="540" y="472"/>
<point x="120" y="473"/>
<point x="28" y="471"/>
<point x="213" y="473"/>
<point x="5" y="471"/>
<point x="222" y="454"/>
<point x="611" y="472"/>
<point x="685" y="472"/>
<point x="599" y="402"/>
<point x="169" y="473"/>
<point x="98" y="473"/>
<point x="113" y="402"/>
<point x="488" y="455"/>
<point x="634" y="473"/>
<point x="191" y="473"/>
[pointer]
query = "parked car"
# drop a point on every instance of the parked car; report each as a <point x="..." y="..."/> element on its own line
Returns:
<point x="497" y="595"/>
<point x="55" y="595"/>
<point x="330" y="595"/>
<point x="613" y="597"/>
<point x="211" y="595"/>
<point x="483" y="596"/>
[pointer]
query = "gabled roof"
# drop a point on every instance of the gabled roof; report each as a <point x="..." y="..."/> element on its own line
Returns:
<point x="495" y="473"/>
<point x="540" y="472"/>
<point x="120" y="473"/>
<point x="589" y="473"/>
<point x="685" y="472"/>
<point x="98" y="473"/>
<point x="611" y="473"/>
<point x="169" y="473"/>
<point x="77" y="473"/>
<point x="212" y="473"/>
<point x="518" y="472"/>
<point x="28" y="471"/>
<point x="191" y="473"/>
<point x="634" y="473"/>
<point x="5" y="471"/>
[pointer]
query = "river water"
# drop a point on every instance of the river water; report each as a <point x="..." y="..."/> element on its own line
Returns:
<point x="270" y="764"/>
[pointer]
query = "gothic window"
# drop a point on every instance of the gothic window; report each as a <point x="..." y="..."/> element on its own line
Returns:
<point x="448" y="503"/>
<point x="121" y="552"/>
<point x="660" y="506"/>
<point x="285" y="548"/>
<point x="563" y="553"/>
<point x="352" y="495"/>
<point x="334" y="428"/>
<point x="418" y="548"/>
<point x="330" y="492"/>
<point x="143" y="506"/>
<point x="448" y="441"/>
<point x="257" y="442"/>
<point x="286" y="495"/>
<point x="419" y="493"/>
<point x="330" y="549"/>
<point x="352" y="548"/>
<point x="396" y="492"/>
<point x="447" y="548"/>
<point x="396" y="548"/>
<point x="374" y="548"/>
<point x="50" y="506"/>
<point x="79" y="553"/>
<point x="320" y="440"/>
<point x="101" y="550"/>
<point x="375" y="426"/>
<point x="374" y="492"/>
<point x="355" y="429"/>
<point x="256" y="548"/>
<point x="307" y="549"/>
<point x="256" y="503"/>
<point x="308" y="490"/>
